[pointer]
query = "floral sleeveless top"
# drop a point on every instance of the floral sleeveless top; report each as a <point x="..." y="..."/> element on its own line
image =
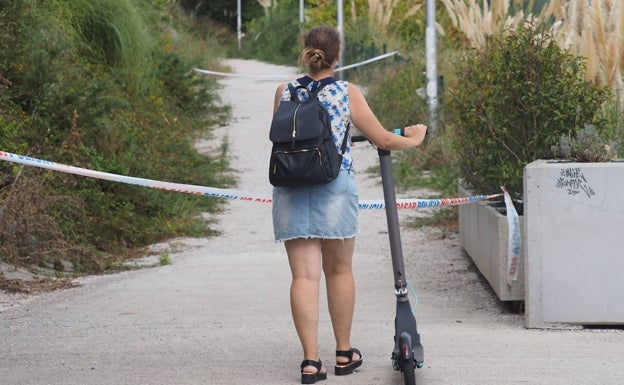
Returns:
<point x="335" y="99"/>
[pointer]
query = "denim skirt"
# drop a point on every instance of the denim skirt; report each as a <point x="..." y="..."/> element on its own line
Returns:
<point x="327" y="211"/>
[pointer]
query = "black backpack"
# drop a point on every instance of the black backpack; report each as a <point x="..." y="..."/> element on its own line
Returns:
<point x="303" y="150"/>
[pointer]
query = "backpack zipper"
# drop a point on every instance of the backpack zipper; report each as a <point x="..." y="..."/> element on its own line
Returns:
<point x="315" y="149"/>
<point x="294" y="125"/>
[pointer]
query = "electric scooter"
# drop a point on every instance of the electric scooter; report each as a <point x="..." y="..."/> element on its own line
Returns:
<point x="407" y="354"/>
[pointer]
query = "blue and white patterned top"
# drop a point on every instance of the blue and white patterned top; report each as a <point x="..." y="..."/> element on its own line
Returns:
<point x="335" y="99"/>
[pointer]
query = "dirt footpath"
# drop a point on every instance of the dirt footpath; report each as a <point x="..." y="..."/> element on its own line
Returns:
<point x="219" y="314"/>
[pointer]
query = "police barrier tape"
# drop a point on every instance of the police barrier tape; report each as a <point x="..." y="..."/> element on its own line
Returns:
<point x="223" y="193"/>
<point x="367" y="61"/>
<point x="288" y="77"/>
<point x="514" y="244"/>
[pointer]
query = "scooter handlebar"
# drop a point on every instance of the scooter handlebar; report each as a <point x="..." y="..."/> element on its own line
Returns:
<point x="362" y="138"/>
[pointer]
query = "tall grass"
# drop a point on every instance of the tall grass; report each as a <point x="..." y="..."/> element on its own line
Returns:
<point x="593" y="30"/>
<point x="596" y="32"/>
<point x="478" y="20"/>
<point x="115" y="31"/>
<point x="383" y="13"/>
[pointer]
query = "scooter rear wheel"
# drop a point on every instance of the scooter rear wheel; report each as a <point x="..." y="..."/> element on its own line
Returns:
<point x="408" y="370"/>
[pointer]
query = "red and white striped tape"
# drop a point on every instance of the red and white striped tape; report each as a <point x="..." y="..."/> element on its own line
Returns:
<point x="375" y="204"/>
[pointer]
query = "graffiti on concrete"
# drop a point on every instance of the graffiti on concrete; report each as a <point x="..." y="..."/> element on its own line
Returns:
<point x="574" y="182"/>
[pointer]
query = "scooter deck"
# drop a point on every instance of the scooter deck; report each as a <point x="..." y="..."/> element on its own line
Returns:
<point x="406" y="322"/>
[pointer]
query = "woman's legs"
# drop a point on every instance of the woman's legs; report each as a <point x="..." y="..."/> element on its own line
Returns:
<point x="307" y="258"/>
<point x="304" y="257"/>
<point x="337" y="266"/>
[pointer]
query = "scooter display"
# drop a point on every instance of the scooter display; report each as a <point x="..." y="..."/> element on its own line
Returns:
<point x="408" y="353"/>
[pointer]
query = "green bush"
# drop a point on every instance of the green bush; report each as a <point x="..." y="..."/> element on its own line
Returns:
<point x="274" y="38"/>
<point x="105" y="85"/>
<point x="512" y="102"/>
<point x="393" y="94"/>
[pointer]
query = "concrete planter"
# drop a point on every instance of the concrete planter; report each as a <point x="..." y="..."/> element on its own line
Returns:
<point x="574" y="232"/>
<point x="484" y="236"/>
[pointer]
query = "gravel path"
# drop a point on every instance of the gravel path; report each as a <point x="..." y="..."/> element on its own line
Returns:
<point x="219" y="314"/>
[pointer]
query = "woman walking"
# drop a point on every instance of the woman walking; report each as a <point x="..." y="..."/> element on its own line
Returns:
<point x="318" y="223"/>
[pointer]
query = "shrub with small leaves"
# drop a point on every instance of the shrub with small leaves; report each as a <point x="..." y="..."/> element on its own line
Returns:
<point x="586" y="146"/>
<point x="512" y="102"/>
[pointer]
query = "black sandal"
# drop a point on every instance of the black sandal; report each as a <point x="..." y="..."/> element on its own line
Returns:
<point x="344" y="368"/>
<point x="311" y="378"/>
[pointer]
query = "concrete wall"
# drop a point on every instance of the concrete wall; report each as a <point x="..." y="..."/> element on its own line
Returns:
<point x="483" y="234"/>
<point x="574" y="216"/>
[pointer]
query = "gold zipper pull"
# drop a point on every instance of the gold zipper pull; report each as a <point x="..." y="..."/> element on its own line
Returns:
<point x="294" y="123"/>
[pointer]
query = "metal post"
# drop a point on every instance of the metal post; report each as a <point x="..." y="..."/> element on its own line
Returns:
<point x="432" y="73"/>
<point x="341" y="32"/>
<point x="301" y="13"/>
<point x="239" y="34"/>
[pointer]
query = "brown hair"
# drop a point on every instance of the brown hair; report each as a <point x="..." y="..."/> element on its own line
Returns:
<point x="322" y="45"/>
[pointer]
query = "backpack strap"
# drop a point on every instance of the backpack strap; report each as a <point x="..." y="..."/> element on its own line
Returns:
<point x="343" y="147"/>
<point x="294" y="96"/>
<point x="312" y="94"/>
<point x="293" y="92"/>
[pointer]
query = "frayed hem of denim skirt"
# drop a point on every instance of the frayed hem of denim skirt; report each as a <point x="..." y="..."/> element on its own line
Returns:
<point x="323" y="238"/>
<point x="327" y="211"/>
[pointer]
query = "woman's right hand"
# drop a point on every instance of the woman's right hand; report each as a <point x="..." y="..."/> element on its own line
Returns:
<point x="416" y="132"/>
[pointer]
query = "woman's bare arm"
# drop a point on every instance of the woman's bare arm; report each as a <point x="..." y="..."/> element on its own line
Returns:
<point x="278" y="95"/>
<point x="366" y="121"/>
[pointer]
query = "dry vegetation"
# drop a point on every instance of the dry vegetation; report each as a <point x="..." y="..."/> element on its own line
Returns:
<point x="594" y="31"/>
<point x="380" y="12"/>
<point x="477" y="23"/>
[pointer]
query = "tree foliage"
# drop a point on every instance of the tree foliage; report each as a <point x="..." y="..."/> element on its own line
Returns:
<point x="224" y="11"/>
<point x="512" y="102"/>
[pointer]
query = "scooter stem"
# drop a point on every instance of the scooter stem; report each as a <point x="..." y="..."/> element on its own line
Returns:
<point x="392" y="216"/>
